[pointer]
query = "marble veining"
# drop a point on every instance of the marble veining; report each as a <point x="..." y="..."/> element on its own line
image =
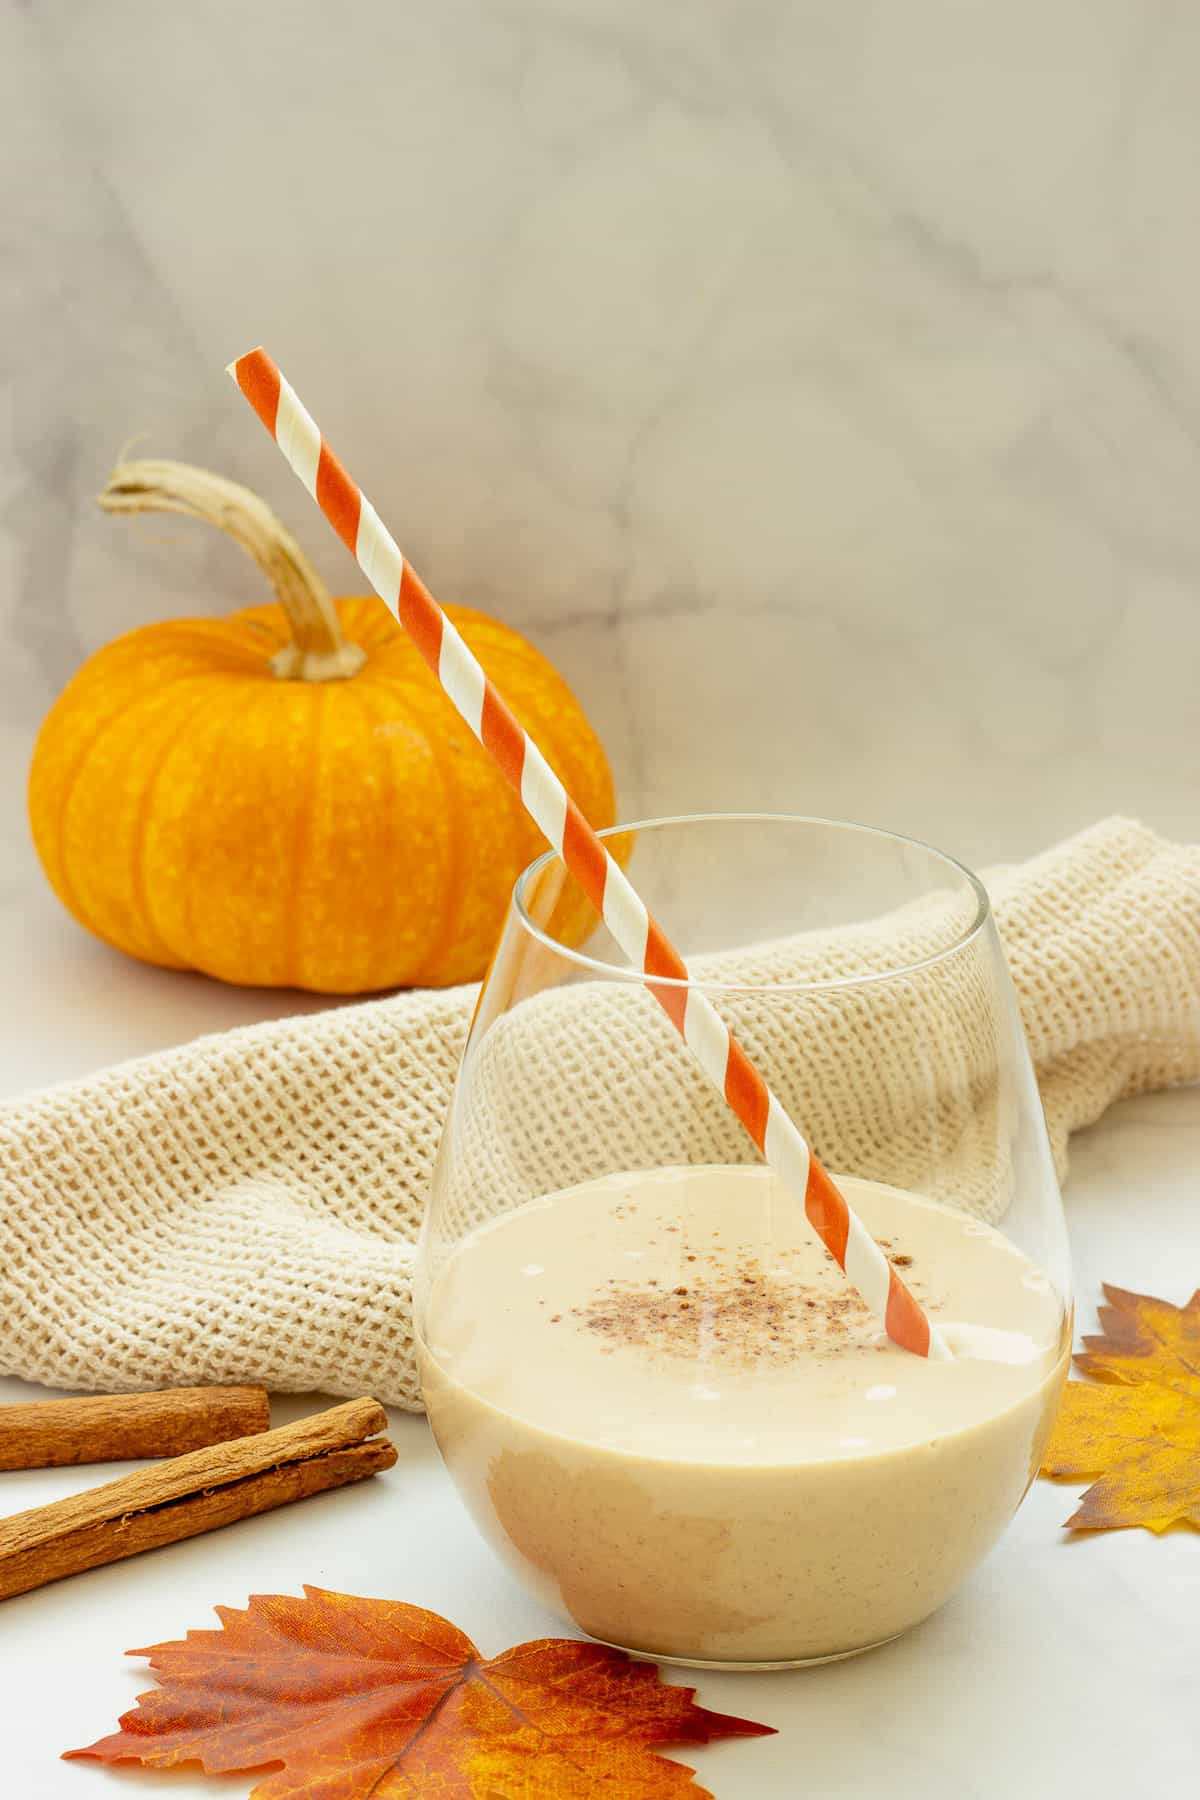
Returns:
<point x="818" y="385"/>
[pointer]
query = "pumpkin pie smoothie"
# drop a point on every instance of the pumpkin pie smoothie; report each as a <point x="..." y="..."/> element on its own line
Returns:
<point x="666" y="1408"/>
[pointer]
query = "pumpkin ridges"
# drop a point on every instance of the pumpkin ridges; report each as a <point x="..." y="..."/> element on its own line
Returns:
<point x="569" y="741"/>
<point x="387" y="702"/>
<point x="397" y="668"/>
<point x="507" y="654"/>
<point x="190" y="887"/>
<point x="459" y="875"/>
<point x="417" y="697"/>
<point x="556" y="726"/>
<point x="115" y="716"/>
<point x="497" y="825"/>
<point x="60" y="880"/>
<point x="301" y="839"/>
<point x="239" y="643"/>
<point x="177" y="848"/>
<point x="203" y="646"/>
<point x="396" y="876"/>
<point x="372" y="911"/>
<point x="367" y="622"/>
<point x="259" y="703"/>
<point x="140" y="895"/>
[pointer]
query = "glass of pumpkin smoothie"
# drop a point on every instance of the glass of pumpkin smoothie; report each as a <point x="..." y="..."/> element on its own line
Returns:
<point x="656" y="1392"/>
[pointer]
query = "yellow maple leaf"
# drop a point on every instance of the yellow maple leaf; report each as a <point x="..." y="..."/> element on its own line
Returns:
<point x="1137" y="1424"/>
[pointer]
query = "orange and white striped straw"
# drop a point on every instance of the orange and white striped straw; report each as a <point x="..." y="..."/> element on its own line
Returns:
<point x="603" y="880"/>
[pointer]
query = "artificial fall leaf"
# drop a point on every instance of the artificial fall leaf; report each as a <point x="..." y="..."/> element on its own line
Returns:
<point x="1137" y="1426"/>
<point x="358" y="1698"/>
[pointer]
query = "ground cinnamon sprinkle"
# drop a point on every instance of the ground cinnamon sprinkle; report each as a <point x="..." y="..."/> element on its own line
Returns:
<point x="734" y="1310"/>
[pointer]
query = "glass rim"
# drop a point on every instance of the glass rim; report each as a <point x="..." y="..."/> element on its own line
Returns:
<point x="618" y="972"/>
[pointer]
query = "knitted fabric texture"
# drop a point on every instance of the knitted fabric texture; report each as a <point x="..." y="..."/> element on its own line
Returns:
<point x="245" y="1208"/>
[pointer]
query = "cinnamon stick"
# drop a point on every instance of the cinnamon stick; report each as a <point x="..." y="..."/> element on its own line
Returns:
<point x="191" y="1494"/>
<point x="48" y="1434"/>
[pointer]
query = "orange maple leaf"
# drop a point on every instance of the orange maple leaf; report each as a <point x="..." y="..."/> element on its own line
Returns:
<point x="357" y="1698"/>
<point x="1137" y="1425"/>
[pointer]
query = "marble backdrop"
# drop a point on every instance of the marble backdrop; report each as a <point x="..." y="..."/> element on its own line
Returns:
<point x="818" y="383"/>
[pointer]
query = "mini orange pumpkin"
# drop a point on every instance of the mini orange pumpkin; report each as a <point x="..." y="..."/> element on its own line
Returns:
<point x="284" y="797"/>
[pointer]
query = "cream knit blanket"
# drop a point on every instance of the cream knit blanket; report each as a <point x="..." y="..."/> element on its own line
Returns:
<point x="245" y="1208"/>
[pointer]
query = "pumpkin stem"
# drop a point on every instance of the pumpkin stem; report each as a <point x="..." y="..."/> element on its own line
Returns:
<point x="319" y="651"/>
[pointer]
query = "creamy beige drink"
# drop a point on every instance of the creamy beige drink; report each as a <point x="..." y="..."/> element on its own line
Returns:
<point x="663" y="1403"/>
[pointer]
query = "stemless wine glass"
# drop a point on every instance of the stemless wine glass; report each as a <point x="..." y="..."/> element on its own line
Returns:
<point x="656" y="1392"/>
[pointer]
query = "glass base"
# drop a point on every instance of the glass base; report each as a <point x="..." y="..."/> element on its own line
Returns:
<point x="752" y="1668"/>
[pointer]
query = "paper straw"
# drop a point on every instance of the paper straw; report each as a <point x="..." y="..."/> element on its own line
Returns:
<point x="603" y="880"/>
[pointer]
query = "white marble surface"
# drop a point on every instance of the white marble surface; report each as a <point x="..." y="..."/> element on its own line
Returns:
<point x="1061" y="1668"/>
<point x="820" y="386"/>
<point x="833" y="366"/>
